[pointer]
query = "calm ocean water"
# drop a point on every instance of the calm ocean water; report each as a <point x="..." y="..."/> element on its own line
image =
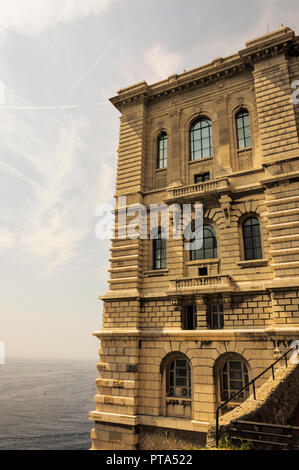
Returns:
<point x="44" y="404"/>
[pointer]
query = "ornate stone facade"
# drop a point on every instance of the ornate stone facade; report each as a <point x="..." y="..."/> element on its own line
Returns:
<point x="143" y="339"/>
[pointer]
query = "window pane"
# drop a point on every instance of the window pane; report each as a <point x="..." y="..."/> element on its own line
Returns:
<point x="246" y="120"/>
<point x="239" y="123"/>
<point x="252" y="239"/>
<point x="180" y="363"/>
<point x="247" y="132"/>
<point x="179" y="379"/>
<point x="241" y="133"/>
<point x="248" y="142"/>
<point x="243" y="129"/>
<point x="206" y="153"/>
<point x="209" y="248"/>
<point x="234" y="378"/>
<point x="162" y="151"/>
<point x="200" y="139"/>
<point x="205" y="132"/>
<point x="159" y="247"/>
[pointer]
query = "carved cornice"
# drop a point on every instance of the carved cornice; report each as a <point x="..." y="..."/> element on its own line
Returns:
<point x="282" y="41"/>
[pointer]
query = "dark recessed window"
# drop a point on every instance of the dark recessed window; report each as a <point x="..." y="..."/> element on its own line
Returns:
<point x="189" y="317"/>
<point x="162" y="151"/>
<point x="202" y="178"/>
<point x="243" y="129"/>
<point x="234" y="376"/>
<point x="201" y="144"/>
<point x="217" y="318"/>
<point x="159" y="251"/>
<point x="252" y="239"/>
<point x="178" y="381"/>
<point x="203" y="271"/>
<point x="209" y="245"/>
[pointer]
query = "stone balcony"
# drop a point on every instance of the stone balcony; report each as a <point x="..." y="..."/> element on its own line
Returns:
<point x="203" y="284"/>
<point x="198" y="191"/>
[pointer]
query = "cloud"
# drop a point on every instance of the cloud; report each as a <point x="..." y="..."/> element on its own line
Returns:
<point x="161" y="62"/>
<point x="7" y="238"/>
<point x="64" y="209"/>
<point x="32" y="17"/>
<point x="52" y="180"/>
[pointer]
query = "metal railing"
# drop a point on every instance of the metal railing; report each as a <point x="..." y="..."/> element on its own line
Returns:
<point x="252" y="382"/>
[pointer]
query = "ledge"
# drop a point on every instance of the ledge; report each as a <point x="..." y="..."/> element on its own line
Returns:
<point x="174" y="423"/>
<point x="204" y="335"/>
<point x="252" y="263"/>
<point x="203" y="261"/>
<point x="117" y="332"/>
<point x="155" y="272"/>
<point x="158" y="421"/>
<point x="283" y="283"/>
<point x="114" y="418"/>
<point x="199" y="160"/>
<point x="244" y="150"/>
<point x="280" y="177"/>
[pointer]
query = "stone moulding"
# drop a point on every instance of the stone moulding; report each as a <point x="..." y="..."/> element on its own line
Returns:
<point x="263" y="334"/>
<point x="192" y="191"/>
<point x="264" y="48"/>
<point x="201" y="284"/>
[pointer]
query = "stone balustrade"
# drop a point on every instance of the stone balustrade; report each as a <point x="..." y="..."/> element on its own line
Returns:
<point x="199" y="189"/>
<point x="221" y="282"/>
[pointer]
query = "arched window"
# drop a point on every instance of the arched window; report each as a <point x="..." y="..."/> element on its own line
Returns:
<point x="178" y="378"/>
<point x="208" y="249"/>
<point x="201" y="144"/>
<point x="162" y="151"/>
<point x="252" y="239"/>
<point x="234" y="376"/>
<point x="243" y="129"/>
<point x="159" y="251"/>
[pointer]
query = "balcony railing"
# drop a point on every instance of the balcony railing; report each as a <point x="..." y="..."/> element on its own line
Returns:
<point x="220" y="282"/>
<point x="199" y="189"/>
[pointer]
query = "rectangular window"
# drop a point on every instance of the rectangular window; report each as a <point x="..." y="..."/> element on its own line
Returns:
<point x="217" y="317"/>
<point x="160" y="253"/>
<point x="202" y="178"/>
<point x="203" y="271"/>
<point x="189" y="318"/>
<point x="162" y="151"/>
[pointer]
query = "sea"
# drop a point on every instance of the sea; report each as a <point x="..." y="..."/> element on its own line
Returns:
<point x="44" y="404"/>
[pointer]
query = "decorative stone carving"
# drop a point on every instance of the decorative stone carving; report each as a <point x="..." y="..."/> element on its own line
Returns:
<point x="227" y="300"/>
<point x="244" y="160"/>
<point x="225" y="202"/>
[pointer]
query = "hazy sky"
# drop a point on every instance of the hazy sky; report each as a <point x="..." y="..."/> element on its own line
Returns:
<point x="60" y="61"/>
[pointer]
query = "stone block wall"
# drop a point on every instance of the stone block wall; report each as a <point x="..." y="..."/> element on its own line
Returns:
<point x="151" y="438"/>
<point x="286" y="307"/>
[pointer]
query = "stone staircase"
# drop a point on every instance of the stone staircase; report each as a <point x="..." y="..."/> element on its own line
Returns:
<point x="269" y="418"/>
<point x="265" y="436"/>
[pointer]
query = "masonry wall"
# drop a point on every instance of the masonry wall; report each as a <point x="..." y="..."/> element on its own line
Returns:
<point x="143" y="308"/>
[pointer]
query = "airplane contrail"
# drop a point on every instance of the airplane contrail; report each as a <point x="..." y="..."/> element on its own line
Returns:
<point x="18" y="174"/>
<point x="72" y="106"/>
<point x="97" y="61"/>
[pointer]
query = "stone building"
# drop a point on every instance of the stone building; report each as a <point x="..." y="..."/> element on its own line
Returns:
<point x="182" y="330"/>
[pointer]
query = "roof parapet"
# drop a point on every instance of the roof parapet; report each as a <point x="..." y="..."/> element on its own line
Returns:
<point x="257" y="49"/>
